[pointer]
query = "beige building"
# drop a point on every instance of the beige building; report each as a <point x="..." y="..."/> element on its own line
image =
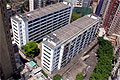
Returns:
<point x="7" y="61"/>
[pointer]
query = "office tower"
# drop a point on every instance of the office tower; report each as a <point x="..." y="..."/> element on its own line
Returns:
<point x="115" y="26"/>
<point x="86" y="3"/>
<point x="60" y="46"/>
<point x="36" y="24"/>
<point x="110" y="14"/>
<point x="7" y="61"/>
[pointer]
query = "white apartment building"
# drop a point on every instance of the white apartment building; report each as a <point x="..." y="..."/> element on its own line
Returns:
<point x="60" y="46"/>
<point x="36" y="24"/>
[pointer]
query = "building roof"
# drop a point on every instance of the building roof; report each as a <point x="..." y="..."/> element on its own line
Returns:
<point x="42" y="11"/>
<point x="78" y="26"/>
<point x="32" y="63"/>
<point x="16" y="18"/>
<point x="49" y="44"/>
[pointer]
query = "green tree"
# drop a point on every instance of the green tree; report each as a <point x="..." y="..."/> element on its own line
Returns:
<point x="79" y="76"/>
<point x="31" y="49"/>
<point x="105" y="56"/>
<point x="57" y="77"/>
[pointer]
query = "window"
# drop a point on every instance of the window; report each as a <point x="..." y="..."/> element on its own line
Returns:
<point x="15" y="32"/>
<point x="47" y="59"/>
<point x="47" y="48"/>
<point x="29" y="22"/>
<point x="45" y="65"/>
<point x="46" y="62"/>
<point x="14" y="21"/>
<point x="15" y="29"/>
<point x="45" y="68"/>
<point x="46" y="55"/>
<point x="46" y="51"/>
<point x="14" y="25"/>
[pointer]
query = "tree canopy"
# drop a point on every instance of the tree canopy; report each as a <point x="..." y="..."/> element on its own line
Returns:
<point x="31" y="49"/>
<point x="79" y="76"/>
<point x="57" y="77"/>
<point x="105" y="56"/>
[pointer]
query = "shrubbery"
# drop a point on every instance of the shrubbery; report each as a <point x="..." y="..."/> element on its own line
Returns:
<point x="57" y="77"/>
<point x="79" y="76"/>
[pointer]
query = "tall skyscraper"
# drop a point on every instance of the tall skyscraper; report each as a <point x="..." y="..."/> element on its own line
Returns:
<point x="110" y="14"/>
<point x="7" y="60"/>
<point x="104" y="7"/>
<point x="115" y="26"/>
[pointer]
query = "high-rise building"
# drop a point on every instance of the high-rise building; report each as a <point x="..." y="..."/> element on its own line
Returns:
<point x="36" y="24"/>
<point x="104" y="7"/>
<point x="7" y="60"/>
<point x="115" y="26"/>
<point x="110" y="14"/>
<point x="60" y="46"/>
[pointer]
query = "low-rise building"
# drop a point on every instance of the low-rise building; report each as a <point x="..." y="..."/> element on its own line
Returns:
<point x="59" y="47"/>
<point x="32" y="72"/>
<point x="36" y="24"/>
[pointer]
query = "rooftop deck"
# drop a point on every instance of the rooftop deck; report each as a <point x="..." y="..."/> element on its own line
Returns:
<point x="42" y="11"/>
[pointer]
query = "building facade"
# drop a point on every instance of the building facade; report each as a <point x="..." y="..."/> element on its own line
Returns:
<point x="59" y="47"/>
<point x="7" y="60"/>
<point x="104" y="7"/>
<point x="36" y="24"/>
<point x="115" y="26"/>
<point x="110" y="14"/>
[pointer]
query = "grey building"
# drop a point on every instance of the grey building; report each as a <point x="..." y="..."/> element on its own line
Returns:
<point x="7" y="60"/>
